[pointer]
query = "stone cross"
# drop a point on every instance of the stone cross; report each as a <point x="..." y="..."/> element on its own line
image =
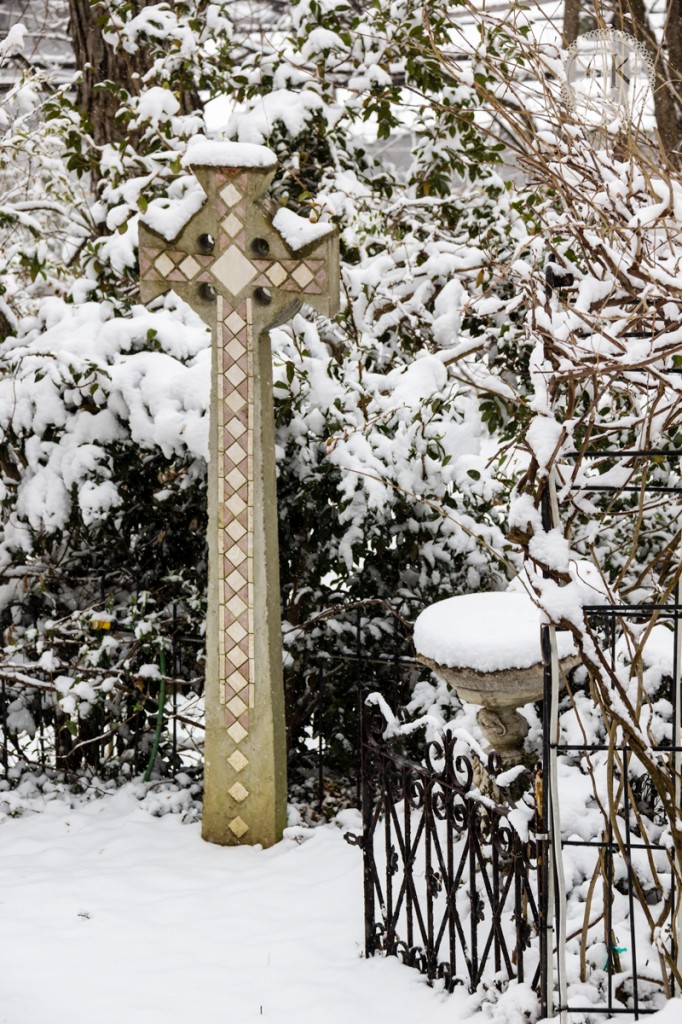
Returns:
<point x="230" y="262"/>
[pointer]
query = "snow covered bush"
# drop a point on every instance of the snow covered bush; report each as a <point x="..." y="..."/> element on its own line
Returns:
<point x="586" y="282"/>
<point x="388" y="421"/>
<point x="103" y="420"/>
<point x="41" y="220"/>
<point x="390" y="493"/>
<point x="103" y="409"/>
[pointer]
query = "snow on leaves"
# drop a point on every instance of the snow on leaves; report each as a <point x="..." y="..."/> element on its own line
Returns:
<point x="80" y="384"/>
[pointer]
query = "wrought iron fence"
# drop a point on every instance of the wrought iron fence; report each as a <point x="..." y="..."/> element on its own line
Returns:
<point x="120" y="732"/>
<point x="450" y="886"/>
<point x="140" y="723"/>
<point x="339" y="661"/>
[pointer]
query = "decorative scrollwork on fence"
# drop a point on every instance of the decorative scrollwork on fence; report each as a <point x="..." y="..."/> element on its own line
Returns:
<point x="450" y="885"/>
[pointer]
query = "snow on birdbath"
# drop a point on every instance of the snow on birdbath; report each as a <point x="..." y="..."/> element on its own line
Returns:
<point x="487" y="648"/>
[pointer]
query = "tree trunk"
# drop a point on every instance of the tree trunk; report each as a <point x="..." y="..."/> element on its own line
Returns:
<point x="571" y="28"/>
<point x="673" y="35"/>
<point x="667" y="59"/>
<point x="104" y="70"/>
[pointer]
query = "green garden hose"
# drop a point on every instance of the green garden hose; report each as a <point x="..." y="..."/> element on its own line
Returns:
<point x="159" y="716"/>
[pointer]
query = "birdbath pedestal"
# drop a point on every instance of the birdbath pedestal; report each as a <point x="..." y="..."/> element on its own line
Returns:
<point x="487" y="648"/>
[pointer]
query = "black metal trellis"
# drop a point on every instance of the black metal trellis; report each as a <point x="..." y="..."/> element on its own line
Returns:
<point x="450" y="887"/>
<point x="454" y="892"/>
<point x="628" y="986"/>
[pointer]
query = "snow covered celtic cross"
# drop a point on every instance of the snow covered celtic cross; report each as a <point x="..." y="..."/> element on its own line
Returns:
<point x="243" y="271"/>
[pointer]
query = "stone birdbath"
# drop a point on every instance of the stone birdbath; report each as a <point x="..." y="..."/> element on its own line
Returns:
<point x="487" y="648"/>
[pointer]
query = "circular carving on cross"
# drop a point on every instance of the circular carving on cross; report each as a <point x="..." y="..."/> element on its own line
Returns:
<point x="206" y="243"/>
<point x="260" y="247"/>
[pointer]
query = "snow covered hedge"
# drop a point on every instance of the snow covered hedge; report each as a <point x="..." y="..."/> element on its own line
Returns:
<point x="389" y="491"/>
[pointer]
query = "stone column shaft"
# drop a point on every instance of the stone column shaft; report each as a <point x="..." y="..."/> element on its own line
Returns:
<point x="235" y="269"/>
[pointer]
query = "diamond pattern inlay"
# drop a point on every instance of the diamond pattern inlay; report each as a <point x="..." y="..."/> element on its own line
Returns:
<point x="235" y="529"/>
<point x="236" y="606"/>
<point x="237" y="706"/>
<point x="236" y="640"/>
<point x="238" y="792"/>
<point x="236" y="681"/>
<point x="236" y="581"/>
<point x="190" y="267"/>
<point x="302" y="275"/>
<point x="237" y="657"/>
<point x="235" y="401"/>
<point x="230" y="195"/>
<point x="276" y="274"/>
<point x="238" y="827"/>
<point x="236" y="556"/>
<point x="235" y="452"/>
<point x="235" y="322"/>
<point x="238" y="761"/>
<point x="235" y="479"/>
<point x="235" y="428"/>
<point x="235" y="505"/>
<point x="237" y="632"/>
<point x="235" y="375"/>
<point x="164" y="265"/>
<point x="237" y="732"/>
<point x="234" y="270"/>
<point x="234" y="349"/>
<point x="232" y="225"/>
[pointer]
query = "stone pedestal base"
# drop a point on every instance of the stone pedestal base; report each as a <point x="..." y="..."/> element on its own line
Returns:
<point x="505" y="730"/>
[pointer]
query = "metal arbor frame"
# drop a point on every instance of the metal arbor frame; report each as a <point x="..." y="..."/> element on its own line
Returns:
<point x="625" y="987"/>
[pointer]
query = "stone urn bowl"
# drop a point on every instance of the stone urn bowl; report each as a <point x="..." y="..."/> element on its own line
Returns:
<point x="487" y="648"/>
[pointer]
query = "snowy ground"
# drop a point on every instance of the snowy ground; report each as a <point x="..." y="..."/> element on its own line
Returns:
<point x="111" y="916"/>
